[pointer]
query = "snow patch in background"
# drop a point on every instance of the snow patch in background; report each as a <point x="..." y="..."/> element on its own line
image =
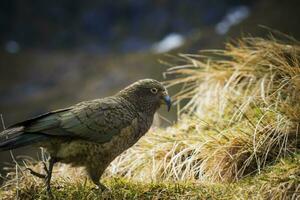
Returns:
<point x="169" y="42"/>
<point x="12" y="47"/>
<point x="233" y="17"/>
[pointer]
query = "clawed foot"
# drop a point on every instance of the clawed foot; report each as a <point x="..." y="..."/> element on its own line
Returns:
<point x="100" y="187"/>
<point x="39" y="175"/>
<point x="43" y="176"/>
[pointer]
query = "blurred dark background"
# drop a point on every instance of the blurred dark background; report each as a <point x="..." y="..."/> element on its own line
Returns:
<point x="105" y="26"/>
<point x="56" y="53"/>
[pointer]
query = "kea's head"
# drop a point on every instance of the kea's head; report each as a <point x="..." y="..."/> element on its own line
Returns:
<point x="147" y="95"/>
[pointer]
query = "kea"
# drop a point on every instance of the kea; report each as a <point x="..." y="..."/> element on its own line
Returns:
<point x="92" y="133"/>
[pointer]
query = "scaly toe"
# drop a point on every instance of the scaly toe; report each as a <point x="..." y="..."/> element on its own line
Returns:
<point x="101" y="187"/>
<point x="43" y="176"/>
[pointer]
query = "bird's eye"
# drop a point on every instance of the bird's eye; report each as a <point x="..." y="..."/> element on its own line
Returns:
<point x="154" y="90"/>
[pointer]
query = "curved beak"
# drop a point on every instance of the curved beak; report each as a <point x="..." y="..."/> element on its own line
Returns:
<point x="167" y="101"/>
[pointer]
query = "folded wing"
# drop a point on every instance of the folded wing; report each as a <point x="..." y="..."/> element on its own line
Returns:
<point x="97" y="121"/>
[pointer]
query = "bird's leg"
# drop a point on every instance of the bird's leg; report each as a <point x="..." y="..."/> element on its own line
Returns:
<point x="48" y="171"/>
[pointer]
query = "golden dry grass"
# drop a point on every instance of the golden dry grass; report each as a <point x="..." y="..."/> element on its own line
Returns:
<point x="243" y="113"/>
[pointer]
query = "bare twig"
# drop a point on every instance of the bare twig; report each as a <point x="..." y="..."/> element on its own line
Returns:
<point x="17" y="166"/>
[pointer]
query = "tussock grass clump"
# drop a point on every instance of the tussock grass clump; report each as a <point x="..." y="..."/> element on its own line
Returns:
<point x="243" y="113"/>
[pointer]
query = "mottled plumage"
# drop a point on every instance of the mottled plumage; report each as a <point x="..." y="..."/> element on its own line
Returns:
<point x="91" y="133"/>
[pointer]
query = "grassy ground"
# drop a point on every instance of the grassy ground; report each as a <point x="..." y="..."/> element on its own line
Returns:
<point x="237" y="136"/>
<point x="281" y="181"/>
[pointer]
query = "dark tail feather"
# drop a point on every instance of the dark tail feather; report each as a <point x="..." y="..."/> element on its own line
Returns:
<point x="21" y="140"/>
